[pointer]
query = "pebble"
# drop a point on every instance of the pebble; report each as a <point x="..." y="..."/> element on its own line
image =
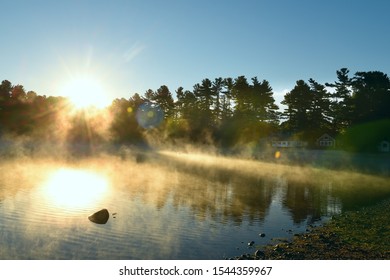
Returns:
<point x="259" y="254"/>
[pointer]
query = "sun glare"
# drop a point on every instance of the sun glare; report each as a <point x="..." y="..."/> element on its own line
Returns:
<point x="85" y="91"/>
<point x="71" y="188"/>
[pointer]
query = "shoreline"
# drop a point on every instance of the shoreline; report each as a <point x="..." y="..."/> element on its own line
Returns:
<point x="354" y="235"/>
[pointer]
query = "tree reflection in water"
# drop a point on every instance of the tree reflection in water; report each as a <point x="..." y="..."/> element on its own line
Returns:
<point x="170" y="206"/>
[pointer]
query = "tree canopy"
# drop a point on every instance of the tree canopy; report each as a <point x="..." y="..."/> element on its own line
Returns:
<point x="223" y="111"/>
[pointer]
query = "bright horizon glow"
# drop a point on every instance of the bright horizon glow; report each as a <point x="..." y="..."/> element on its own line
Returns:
<point x="85" y="91"/>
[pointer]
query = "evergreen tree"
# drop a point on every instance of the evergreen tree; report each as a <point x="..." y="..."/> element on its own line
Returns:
<point x="205" y="99"/>
<point x="163" y="97"/>
<point x="298" y="102"/>
<point x="124" y="127"/>
<point x="341" y="101"/>
<point x="371" y="96"/>
<point x="225" y="100"/>
<point x="217" y="90"/>
<point x="319" y="114"/>
<point x="264" y="107"/>
<point x="241" y="93"/>
<point x="5" y="90"/>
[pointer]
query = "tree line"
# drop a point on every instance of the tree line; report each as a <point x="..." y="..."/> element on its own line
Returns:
<point x="224" y="112"/>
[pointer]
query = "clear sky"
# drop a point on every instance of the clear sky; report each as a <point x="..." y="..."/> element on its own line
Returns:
<point x="131" y="46"/>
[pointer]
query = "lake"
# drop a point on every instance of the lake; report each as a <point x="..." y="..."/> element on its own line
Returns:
<point x="167" y="205"/>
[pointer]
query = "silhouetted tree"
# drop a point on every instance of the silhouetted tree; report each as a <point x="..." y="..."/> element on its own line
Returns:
<point x="5" y="90"/>
<point x="205" y="99"/>
<point x="217" y="90"/>
<point x="163" y="97"/>
<point x="225" y="100"/>
<point x="187" y="114"/>
<point x="241" y="93"/>
<point x="31" y="96"/>
<point x="264" y="107"/>
<point x="341" y="101"/>
<point x="230" y="111"/>
<point x="124" y="126"/>
<point x="371" y="96"/>
<point x="18" y="93"/>
<point x="298" y="102"/>
<point x="319" y="113"/>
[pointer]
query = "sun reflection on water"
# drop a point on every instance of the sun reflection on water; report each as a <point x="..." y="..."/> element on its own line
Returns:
<point x="72" y="188"/>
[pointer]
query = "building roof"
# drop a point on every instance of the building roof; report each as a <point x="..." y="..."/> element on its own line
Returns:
<point x="326" y="136"/>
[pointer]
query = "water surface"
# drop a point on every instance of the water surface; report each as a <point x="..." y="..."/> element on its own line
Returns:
<point x="167" y="206"/>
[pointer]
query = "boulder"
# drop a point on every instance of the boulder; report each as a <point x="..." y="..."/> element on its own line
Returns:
<point x="100" y="217"/>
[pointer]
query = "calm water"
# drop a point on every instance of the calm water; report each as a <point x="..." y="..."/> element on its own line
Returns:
<point x="169" y="206"/>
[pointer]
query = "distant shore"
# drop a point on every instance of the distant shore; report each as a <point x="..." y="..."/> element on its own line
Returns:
<point x="373" y="163"/>
<point x="353" y="235"/>
<point x="369" y="163"/>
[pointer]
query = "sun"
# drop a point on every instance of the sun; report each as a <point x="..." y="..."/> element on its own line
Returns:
<point x="85" y="91"/>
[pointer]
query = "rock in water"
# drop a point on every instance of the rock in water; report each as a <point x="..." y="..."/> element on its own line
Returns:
<point x="100" y="217"/>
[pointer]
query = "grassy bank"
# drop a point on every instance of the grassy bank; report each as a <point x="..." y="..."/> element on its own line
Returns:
<point x="354" y="235"/>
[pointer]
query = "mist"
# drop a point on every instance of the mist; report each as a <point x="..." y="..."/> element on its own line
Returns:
<point x="175" y="183"/>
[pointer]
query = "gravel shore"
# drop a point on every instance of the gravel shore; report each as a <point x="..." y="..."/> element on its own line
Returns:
<point x="353" y="235"/>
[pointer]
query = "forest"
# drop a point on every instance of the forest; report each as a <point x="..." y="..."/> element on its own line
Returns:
<point x="226" y="113"/>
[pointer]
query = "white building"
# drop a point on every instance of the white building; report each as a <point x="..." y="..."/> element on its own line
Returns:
<point x="326" y="141"/>
<point x="384" y="146"/>
<point x="288" y="144"/>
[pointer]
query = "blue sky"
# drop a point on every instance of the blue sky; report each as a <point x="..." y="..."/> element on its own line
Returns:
<point x="131" y="46"/>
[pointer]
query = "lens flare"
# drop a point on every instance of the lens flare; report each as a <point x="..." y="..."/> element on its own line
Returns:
<point x="149" y="115"/>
